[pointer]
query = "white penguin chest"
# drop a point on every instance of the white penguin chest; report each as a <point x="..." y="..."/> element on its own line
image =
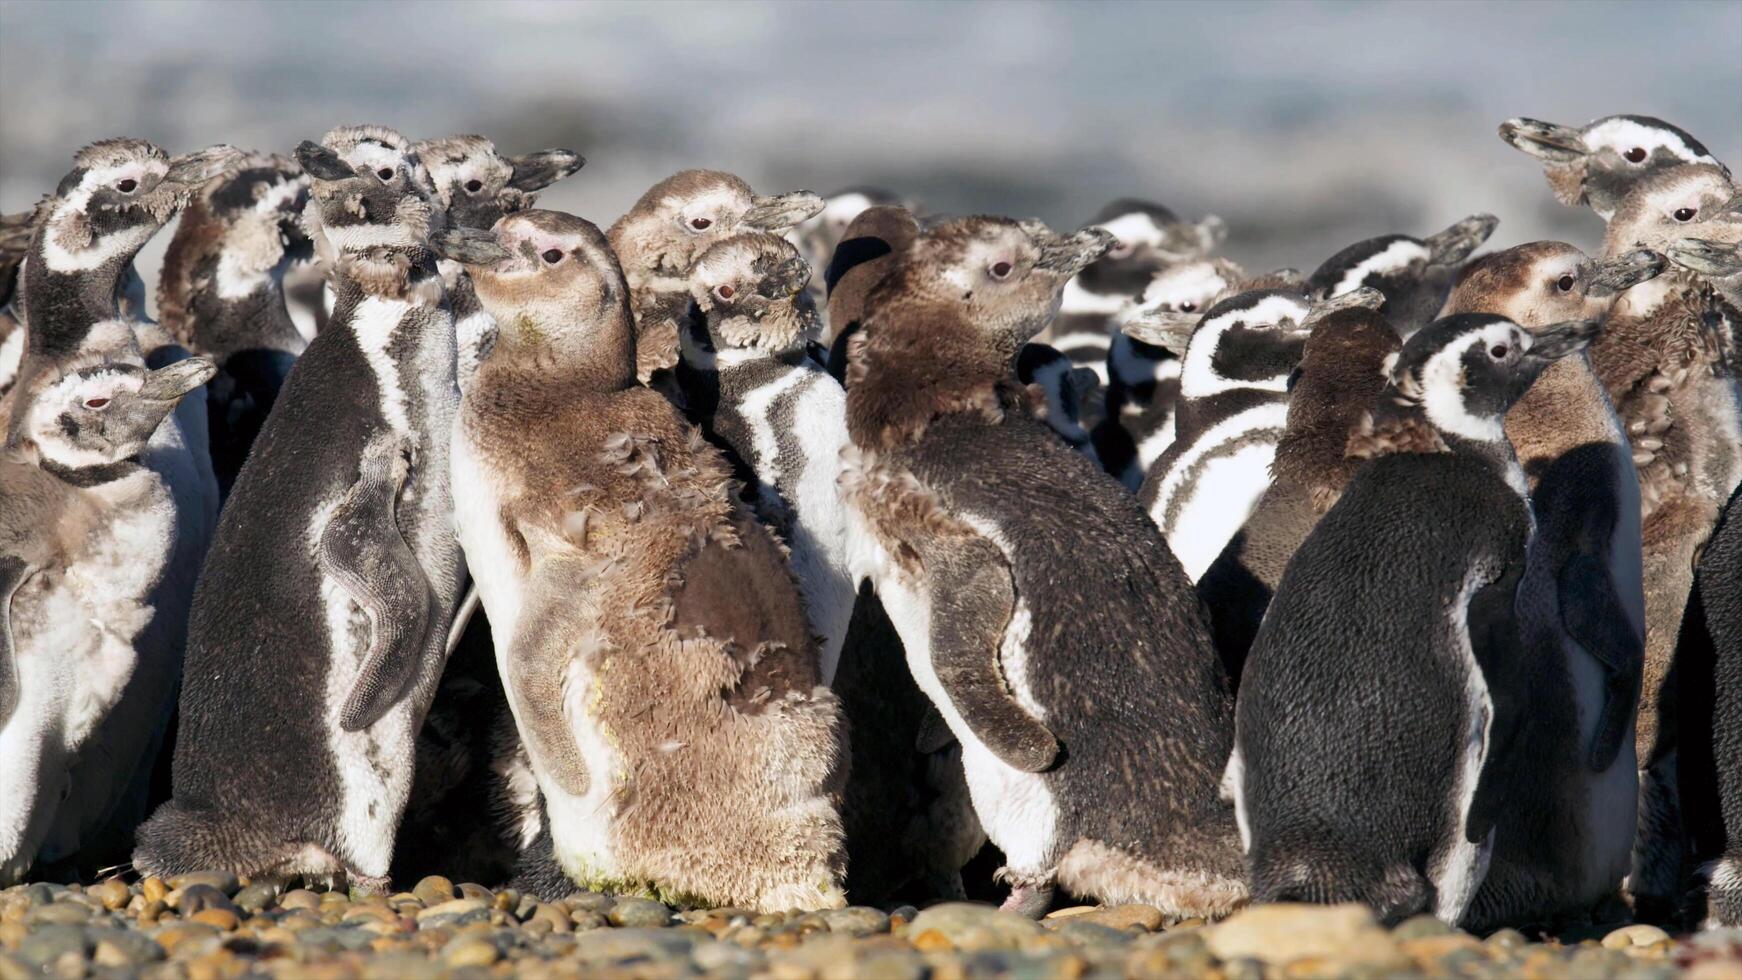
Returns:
<point x="1212" y="486"/>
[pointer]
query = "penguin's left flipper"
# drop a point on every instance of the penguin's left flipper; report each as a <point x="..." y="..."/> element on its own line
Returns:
<point x="973" y="598"/>
<point x="362" y="550"/>
<point x="1591" y="614"/>
<point x="13" y="571"/>
<point x="1492" y="622"/>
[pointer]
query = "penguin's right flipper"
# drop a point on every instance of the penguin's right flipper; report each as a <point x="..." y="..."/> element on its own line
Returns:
<point x="13" y="572"/>
<point x="1492" y="622"/>
<point x="362" y="550"/>
<point x="537" y="668"/>
<point x="1591" y="614"/>
<point x="973" y="597"/>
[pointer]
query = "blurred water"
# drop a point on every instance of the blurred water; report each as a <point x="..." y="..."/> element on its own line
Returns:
<point x="1305" y="125"/>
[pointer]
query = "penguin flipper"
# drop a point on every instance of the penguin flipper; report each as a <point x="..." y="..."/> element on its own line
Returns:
<point x="13" y="571"/>
<point x="1591" y="614"/>
<point x="362" y="550"/>
<point x="537" y="667"/>
<point x="1492" y="622"/>
<point x="934" y="733"/>
<point x="973" y="597"/>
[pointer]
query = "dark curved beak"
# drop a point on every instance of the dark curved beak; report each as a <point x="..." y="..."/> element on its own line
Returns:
<point x="468" y="246"/>
<point x="1556" y="341"/>
<point x="1706" y="257"/>
<point x="778" y="212"/>
<point x="1454" y="245"/>
<point x="1626" y="271"/>
<point x="200" y="166"/>
<point x="170" y="382"/>
<point x="1069" y="255"/>
<point x="1364" y="297"/>
<point x="1545" y="141"/>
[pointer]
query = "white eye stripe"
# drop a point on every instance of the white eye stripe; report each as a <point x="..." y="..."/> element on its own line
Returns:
<point x="1134" y="229"/>
<point x="1622" y="135"/>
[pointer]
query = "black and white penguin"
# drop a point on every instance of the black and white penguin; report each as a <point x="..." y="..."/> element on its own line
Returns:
<point x="658" y="240"/>
<point x="1232" y="409"/>
<point x="1092" y="724"/>
<point x="1143" y="379"/>
<point x="1600" y="163"/>
<point x="1581" y="605"/>
<point x="817" y="237"/>
<point x="1058" y="388"/>
<point x="98" y="604"/>
<point x="14" y="243"/>
<point x="1390" y="655"/>
<point x="335" y="571"/>
<point x="222" y="295"/>
<point x="1413" y="274"/>
<point x="870" y="248"/>
<point x="653" y="643"/>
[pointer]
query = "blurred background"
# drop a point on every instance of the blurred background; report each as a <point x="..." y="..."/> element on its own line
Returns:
<point x="1305" y="125"/>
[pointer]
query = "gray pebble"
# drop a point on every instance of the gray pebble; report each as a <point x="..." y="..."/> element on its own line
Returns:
<point x="47" y="943"/>
<point x="856" y="920"/>
<point x="257" y="896"/>
<point x="638" y="913"/>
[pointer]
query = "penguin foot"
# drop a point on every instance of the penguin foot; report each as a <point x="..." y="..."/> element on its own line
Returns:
<point x="1030" y="894"/>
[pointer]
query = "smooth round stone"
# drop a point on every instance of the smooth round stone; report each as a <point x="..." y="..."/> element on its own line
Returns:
<point x="638" y="913"/>
<point x="112" y="893"/>
<point x="972" y="926"/>
<point x="153" y="889"/>
<point x="197" y="898"/>
<point x="1420" y="927"/>
<point x="508" y="900"/>
<point x="856" y="920"/>
<point x="46" y="944"/>
<point x="1081" y="933"/>
<point x="174" y="937"/>
<point x="470" y="890"/>
<point x="1629" y="937"/>
<point x="59" y="914"/>
<point x="590" y="901"/>
<point x="470" y="952"/>
<point x="587" y="921"/>
<point x="223" y="881"/>
<point x="300" y="898"/>
<point x="454" y="907"/>
<point x="1507" y="939"/>
<point x="40" y="893"/>
<point x="219" y="918"/>
<point x="259" y="895"/>
<point x="434" y="890"/>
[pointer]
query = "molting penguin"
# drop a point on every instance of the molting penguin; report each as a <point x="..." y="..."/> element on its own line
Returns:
<point x="870" y="247"/>
<point x="1143" y="379"/>
<point x="658" y="240"/>
<point x="1568" y="840"/>
<point x="335" y="571"/>
<point x="222" y="295"/>
<point x="979" y="517"/>
<point x="818" y="236"/>
<point x="14" y="243"/>
<point x="1414" y="274"/>
<point x="653" y="643"/>
<point x="98" y="605"/>
<point x="1600" y="163"/>
<point x="1662" y="359"/>
<point x="1233" y="405"/>
<point x="1390" y="654"/>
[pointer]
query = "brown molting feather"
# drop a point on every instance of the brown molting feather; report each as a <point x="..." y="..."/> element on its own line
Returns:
<point x="899" y="505"/>
<point x="1408" y="433"/>
<point x="117" y="150"/>
<point x="1341" y="373"/>
<point x="199" y="236"/>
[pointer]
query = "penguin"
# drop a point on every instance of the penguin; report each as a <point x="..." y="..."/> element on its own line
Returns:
<point x="817" y="237"/>
<point x="750" y="384"/>
<point x="1414" y="274"/>
<point x="870" y="247"/>
<point x="1091" y="750"/>
<point x="1599" y="164"/>
<point x="1148" y="238"/>
<point x="1233" y="405"/>
<point x="222" y="295"/>
<point x="1341" y="372"/>
<point x="1581" y="605"/>
<point x="1057" y="389"/>
<point x="694" y="754"/>
<point x="1143" y="379"/>
<point x="1390" y="654"/>
<point x="136" y="524"/>
<point x="334" y="572"/>
<point x="658" y="239"/>
<point x="14" y="243"/>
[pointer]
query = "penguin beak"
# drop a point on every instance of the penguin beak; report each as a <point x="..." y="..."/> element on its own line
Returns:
<point x="1454" y="245"/>
<point x="1159" y="328"/>
<point x="782" y="211"/>
<point x="537" y="170"/>
<point x="469" y="246"/>
<point x="1708" y="258"/>
<point x="1362" y="298"/>
<point x="170" y="383"/>
<point x="1556" y="341"/>
<point x="1625" y="272"/>
<point x="1067" y="256"/>
<point x="193" y="169"/>
<point x="1545" y="141"/>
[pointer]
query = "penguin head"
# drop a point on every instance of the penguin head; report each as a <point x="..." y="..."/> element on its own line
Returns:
<point x="1147" y="236"/>
<point x="119" y="193"/>
<point x="683" y="214"/>
<point x="546" y="277"/>
<point x="1180" y="293"/>
<point x="1002" y="276"/>
<point x="1601" y="163"/>
<point x="818" y="235"/>
<point x="259" y="205"/>
<point x="92" y="411"/>
<point x="370" y="195"/>
<point x="1664" y="206"/>
<point x="1058" y="388"/>
<point x="1540" y="283"/>
<point x="1464" y="372"/>
<point x="1400" y="266"/>
<point x="476" y="185"/>
<point x="750" y="288"/>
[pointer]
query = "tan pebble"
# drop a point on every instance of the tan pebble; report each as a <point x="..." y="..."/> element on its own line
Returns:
<point x="1282" y="932"/>
<point x="153" y="889"/>
<point x="11" y="934"/>
<point x="472" y="954"/>
<point x="276" y="934"/>
<point x="554" y="915"/>
<point x="299" y="898"/>
<point x="931" y="940"/>
<point x="221" y="918"/>
<point x="376" y="912"/>
<point x="1145" y="917"/>
<point x="1074" y="910"/>
<point x="458" y="906"/>
<point x="1429" y="949"/>
<point x="173" y="937"/>
<point x="1637" y="935"/>
<point x="110" y="954"/>
<point x="1714" y="970"/>
<point x="111" y="892"/>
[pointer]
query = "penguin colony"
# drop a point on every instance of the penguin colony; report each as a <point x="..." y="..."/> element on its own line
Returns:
<point x="776" y="551"/>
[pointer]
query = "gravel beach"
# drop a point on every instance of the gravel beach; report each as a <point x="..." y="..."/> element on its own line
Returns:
<point x="214" y="925"/>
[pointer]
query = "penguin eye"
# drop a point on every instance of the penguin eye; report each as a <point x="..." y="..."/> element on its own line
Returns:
<point x="1685" y="214"/>
<point x="127" y="185"/>
<point x="724" y="291"/>
<point x="474" y="185"/>
<point x="1119" y="250"/>
<point x="553" y="255"/>
<point x="1188" y="307"/>
<point x="1499" y="352"/>
<point x="1566" y="284"/>
<point x="385" y="174"/>
<point x="1000" y="269"/>
<point x="96" y="402"/>
<point x="1635" y="155"/>
<point x="701" y="224"/>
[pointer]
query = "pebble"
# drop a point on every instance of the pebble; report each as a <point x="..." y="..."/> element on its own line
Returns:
<point x="112" y="893"/>
<point x="971" y="926"/>
<point x="1629" y="937"/>
<point x="1276" y="934"/>
<point x="635" y="913"/>
<point x="223" y="881"/>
